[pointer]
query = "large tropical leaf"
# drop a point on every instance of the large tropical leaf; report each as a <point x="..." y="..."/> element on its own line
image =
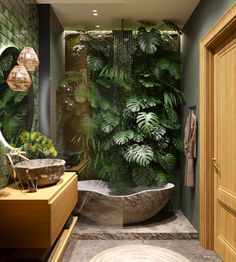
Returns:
<point x="167" y="162"/>
<point x="172" y="67"/>
<point x="135" y="103"/>
<point x="147" y="121"/>
<point x="149" y="41"/>
<point x="107" y="128"/>
<point x="88" y="125"/>
<point x="173" y="99"/>
<point x="95" y="63"/>
<point x="172" y="115"/>
<point x="81" y="94"/>
<point x="158" y="132"/>
<point x="71" y="77"/>
<point x="111" y="118"/>
<point x="178" y="143"/>
<point x="142" y="155"/>
<point x="114" y="73"/>
<point x="170" y="124"/>
<point x="142" y="176"/>
<point x="123" y="137"/>
<point x="138" y="137"/>
<point x="162" y="178"/>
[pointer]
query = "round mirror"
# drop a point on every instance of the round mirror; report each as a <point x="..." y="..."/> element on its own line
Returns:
<point x="15" y="107"/>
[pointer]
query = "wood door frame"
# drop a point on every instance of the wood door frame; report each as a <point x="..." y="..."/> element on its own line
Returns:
<point x="220" y="31"/>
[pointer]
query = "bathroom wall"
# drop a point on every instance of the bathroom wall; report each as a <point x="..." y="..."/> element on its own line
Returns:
<point x="52" y="55"/>
<point x="202" y="20"/>
<point x="19" y="27"/>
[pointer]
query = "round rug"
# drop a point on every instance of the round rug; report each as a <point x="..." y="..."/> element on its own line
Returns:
<point x="138" y="253"/>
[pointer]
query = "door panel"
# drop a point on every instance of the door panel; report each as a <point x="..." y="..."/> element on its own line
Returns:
<point x="224" y="158"/>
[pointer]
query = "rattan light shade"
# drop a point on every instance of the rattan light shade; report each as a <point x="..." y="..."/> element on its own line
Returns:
<point x="28" y="58"/>
<point x="19" y="79"/>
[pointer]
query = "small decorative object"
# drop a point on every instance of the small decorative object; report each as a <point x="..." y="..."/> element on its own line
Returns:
<point x="28" y="58"/>
<point x="19" y="79"/>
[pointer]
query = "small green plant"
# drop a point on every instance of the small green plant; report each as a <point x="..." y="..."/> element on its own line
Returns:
<point x="37" y="146"/>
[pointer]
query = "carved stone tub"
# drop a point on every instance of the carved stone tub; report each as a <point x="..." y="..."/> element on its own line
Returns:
<point x="98" y="204"/>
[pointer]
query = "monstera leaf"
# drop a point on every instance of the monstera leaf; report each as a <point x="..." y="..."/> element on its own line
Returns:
<point x="114" y="73"/>
<point x="123" y="137"/>
<point x="147" y="121"/>
<point x="95" y="63"/>
<point x="107" y="128"/>
<point x="167" y="162"/>
<point x="142" y="155"/>
<point x="172" y="67"/>
<point x="158" y="133"/>
<point x="178" y="143"/>
<point x="135" y="104"/>
<point x="149" y="41"/>
<point x="143" y="176"/>
<point x="110" y="121"/>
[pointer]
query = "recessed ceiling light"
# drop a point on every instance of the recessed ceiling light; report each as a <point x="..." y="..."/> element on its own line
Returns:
<point x="95" y="10"/>
<point x="95" y="14"/>
<point x="98" y="26"/>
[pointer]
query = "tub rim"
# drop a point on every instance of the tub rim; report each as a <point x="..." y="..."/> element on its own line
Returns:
<point x="166" y="187"/>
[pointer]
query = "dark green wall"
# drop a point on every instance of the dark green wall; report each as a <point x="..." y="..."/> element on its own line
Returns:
<point x="19" y="27"/>
<point x="202" y="20"/>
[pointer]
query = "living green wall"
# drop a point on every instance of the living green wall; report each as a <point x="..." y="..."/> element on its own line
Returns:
<point x="19" y="27"/>
<point x="201" y="21"/>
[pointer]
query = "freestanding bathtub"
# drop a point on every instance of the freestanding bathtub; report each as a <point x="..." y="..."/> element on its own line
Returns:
<point x="98" y="204"/>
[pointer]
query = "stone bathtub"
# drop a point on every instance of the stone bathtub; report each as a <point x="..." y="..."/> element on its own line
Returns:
<point x="98" y="204"/>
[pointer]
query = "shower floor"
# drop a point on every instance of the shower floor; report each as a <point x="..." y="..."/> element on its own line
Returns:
<point x="166" y="225"/>
<point x="168" y="229"/>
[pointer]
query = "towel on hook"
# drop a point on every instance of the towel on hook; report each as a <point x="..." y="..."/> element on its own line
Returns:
<point x="190" y="149"/>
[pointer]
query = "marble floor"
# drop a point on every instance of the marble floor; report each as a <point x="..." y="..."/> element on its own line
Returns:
<point x="169" y="229"/>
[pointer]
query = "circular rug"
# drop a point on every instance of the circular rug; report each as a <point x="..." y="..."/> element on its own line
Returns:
<point x="138" y="253"/>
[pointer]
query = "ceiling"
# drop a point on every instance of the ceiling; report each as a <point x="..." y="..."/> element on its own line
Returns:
<point x="78" y="14"/>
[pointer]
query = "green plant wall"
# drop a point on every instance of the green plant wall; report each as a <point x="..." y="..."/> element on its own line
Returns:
<point x="19" y="27"/>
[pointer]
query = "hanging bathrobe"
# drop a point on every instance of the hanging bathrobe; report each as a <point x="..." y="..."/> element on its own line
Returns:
<point x="190" y="149"/>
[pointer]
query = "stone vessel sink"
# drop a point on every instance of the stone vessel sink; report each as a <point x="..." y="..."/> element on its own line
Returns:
<point x="97" y="203"/>
<point x="47" y="171"/>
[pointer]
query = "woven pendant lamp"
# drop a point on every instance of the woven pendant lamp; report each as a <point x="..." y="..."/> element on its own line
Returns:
<point x="28" y="58"/>
<point x="19" y="79"/>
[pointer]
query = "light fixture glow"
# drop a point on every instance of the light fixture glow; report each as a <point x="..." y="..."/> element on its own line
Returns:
<point x="95" y="14"/>
<point x="98" y="26"/>
<point x="95" y="10"/>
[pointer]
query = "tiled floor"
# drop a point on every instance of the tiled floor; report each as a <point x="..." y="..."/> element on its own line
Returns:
<point x="168" y="229"/>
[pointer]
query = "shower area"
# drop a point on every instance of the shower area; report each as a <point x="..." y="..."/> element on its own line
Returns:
<point x="118" y="110"/>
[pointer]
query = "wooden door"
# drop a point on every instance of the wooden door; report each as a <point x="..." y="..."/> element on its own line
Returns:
<point x="224" y="158"/>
